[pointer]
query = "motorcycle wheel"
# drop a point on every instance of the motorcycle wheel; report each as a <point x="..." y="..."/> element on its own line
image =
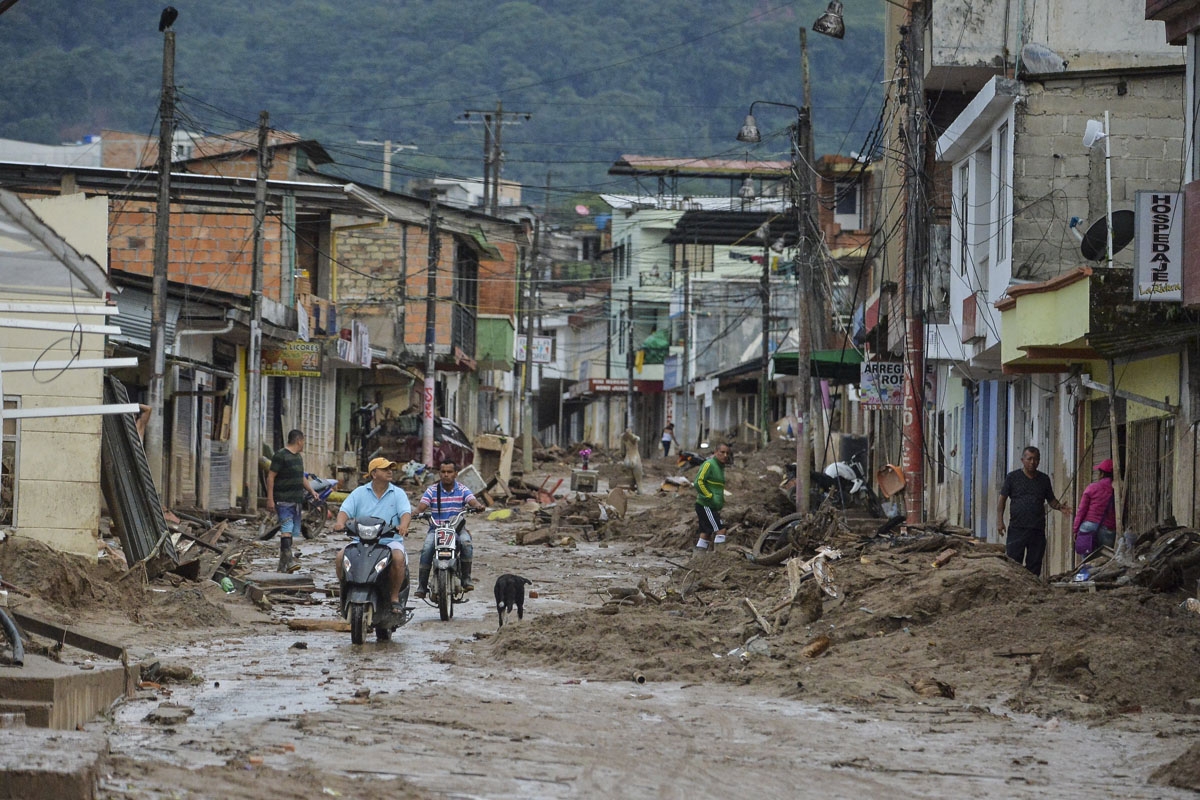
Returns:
<point x="774" y="544"/>
<point x="445" y="598"/>
<point x="312" y="524"/>
<point x="356" y="624"/>
<point x="874" y="507"/>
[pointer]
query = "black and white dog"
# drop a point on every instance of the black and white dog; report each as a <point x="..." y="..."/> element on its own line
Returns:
<point x="510" y="591"/>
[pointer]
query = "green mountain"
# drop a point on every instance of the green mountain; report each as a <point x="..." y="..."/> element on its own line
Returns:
<point x="596" y="79"/>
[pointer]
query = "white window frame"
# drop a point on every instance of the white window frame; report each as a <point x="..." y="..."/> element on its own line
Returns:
<point x="842" y="190"/>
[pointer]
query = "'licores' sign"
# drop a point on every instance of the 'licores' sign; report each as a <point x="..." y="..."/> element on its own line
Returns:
<point x="1158" y="246"/>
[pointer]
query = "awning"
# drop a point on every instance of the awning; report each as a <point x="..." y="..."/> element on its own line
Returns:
<point x="838" y="366"/>
<point x="480" y="243"/>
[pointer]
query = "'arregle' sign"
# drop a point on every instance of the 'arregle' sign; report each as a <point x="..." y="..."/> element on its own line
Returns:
<point x="1158" y="247"/>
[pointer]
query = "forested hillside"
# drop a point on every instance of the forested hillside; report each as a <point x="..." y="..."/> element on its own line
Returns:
<point x="598" y="79"/>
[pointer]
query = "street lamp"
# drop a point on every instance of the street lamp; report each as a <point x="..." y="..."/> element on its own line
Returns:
<point x="801" y="136"/>
<point x="831" y="23"/>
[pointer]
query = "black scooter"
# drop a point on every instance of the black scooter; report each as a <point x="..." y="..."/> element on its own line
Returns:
<point x="364" y="590"/>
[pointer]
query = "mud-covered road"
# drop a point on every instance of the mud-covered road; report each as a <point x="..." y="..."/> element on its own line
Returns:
<point x="436" y="713"/>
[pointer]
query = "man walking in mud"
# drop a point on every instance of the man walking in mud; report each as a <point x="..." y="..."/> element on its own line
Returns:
<point x="710" y="498"/>
<point x="1031" y="492"/>
<point x="286" y="485"/>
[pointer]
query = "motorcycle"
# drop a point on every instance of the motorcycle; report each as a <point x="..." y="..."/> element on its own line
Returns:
<point x="849" y="486"/>
<point x="445" y="583"/>
<point x="363" y="590"/>
<point x="842" y="483"/>
<point x="314" y="512"/>
<point x="686" y="459"/>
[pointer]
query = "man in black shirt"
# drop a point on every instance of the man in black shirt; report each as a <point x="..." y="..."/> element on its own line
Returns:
<point x="286" y="486"/>
<point x="1030" y="491"/>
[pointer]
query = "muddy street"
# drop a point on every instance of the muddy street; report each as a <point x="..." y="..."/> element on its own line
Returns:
<point x="454" y="710"/>
<point x="904" y="671"/>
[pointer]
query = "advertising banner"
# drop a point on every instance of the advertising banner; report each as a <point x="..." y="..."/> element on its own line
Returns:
<point x="881" y="383"/>
<point x="1158" y="247"/>
<point x="292" y="360"/>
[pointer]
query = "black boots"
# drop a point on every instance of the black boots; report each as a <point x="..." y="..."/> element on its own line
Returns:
<point x="464" y="574"/>
<point x="423" y="582"/>
<point x="287" y="562"/>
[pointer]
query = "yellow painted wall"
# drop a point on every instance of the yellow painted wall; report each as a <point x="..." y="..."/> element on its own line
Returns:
<point x="1047" y="318"/>
<point x="1156" y="378"/>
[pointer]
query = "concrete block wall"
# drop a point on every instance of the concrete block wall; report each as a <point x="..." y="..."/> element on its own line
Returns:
<point x="1055" y="177"/>
<point x="214" y="251"/>
<point x="58" y="466"/>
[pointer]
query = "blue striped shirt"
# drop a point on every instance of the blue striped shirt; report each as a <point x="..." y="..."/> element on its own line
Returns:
<point x="451" y="501"/>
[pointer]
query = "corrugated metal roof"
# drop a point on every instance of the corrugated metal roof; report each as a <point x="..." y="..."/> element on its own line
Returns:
<point x="134" y="319"/>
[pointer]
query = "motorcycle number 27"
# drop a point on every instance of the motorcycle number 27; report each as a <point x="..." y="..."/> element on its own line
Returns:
<point x="445" y="538"/>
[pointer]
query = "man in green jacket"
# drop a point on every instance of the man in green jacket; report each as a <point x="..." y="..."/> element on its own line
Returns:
<point x="710" y="498"/>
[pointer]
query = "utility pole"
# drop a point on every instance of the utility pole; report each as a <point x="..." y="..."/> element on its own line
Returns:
<point x="492" y="121"/>
<point x="764" y="384"/>
<point x="254" y="352"/>
<point x="435" y="249"/>
<point x="802" y="158"/>
<point x="155" y="446"/>
<point x="687" y="347"/>
<point x="629" y="361"/>
<point x="527" y="367"/>
<point x="911" y="283"/>
<point x="389" y="150"/>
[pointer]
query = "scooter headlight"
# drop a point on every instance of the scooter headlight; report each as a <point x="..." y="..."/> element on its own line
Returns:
<point x="381" y="565"/>
<point x="369" y="533"/>
<point x="345" y="565"/>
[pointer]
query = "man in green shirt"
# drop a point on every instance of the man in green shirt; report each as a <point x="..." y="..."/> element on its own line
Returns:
<point x="710" y="498"/>
<point x="286" y="485"/>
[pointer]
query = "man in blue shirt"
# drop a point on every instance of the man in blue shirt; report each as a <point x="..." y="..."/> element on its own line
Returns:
<point x="383" y="499"/>
<point x="446" y="498"/>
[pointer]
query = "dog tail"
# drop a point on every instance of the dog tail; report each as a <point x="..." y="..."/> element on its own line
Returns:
<point x="527" y="581"/>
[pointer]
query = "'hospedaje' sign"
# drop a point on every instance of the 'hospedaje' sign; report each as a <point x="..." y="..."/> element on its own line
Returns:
<point x="1158" y="246"/>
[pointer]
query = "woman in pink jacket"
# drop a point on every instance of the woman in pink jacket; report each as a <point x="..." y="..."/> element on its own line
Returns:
<point x="1097" y="514"/>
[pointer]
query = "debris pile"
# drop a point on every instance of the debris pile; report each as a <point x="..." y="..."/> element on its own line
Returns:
<point x="915" y="615"/>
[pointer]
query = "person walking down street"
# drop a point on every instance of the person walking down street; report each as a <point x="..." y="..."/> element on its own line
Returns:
<point x="286" y="485"/>
<point x="386" y="501"/>
<point x="668" y="438"/>
<point x="446" y="498"/>
<point x="1031" y="492"/>
<point x="1096" y="519"/>
<point x="710" y="498"/>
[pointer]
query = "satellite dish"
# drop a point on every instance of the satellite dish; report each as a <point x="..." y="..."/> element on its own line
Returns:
<point x="1093" y="133"/>
<point x="1039" y="59"/>
<point x="582" y="210"/>
<point x="1095" y="241"/>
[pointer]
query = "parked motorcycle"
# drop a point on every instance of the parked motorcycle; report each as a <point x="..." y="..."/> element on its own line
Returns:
<point x="314" y="513"/>
<point x="445" y="583"/>
<point x="851" y="486"/>
<point x="843" y="483"/>
<point x="364" y="594"/>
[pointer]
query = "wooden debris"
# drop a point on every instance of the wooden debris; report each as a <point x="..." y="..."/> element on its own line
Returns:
<point x="932" y="687"/>
<point x="762" y="623"/>
<point x="944" y="557"/>
<point x="335" y="625"/>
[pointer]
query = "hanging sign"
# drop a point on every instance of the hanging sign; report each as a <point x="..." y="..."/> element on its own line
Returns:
<point x="881" y="383"/>
<point x="1158" y="247"/>
<point x="292" y="360"/>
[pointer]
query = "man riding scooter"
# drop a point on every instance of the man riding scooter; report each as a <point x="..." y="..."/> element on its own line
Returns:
<point x="383" y="499"/>
<point x="445" y="499"/>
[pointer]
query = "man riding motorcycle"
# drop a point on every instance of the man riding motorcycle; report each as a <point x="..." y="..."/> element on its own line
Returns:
<point x="444" y="499"/>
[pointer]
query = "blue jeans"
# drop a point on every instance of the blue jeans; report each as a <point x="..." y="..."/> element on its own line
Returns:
<point x="289" y="518"/>
<point x="464" y="548"/>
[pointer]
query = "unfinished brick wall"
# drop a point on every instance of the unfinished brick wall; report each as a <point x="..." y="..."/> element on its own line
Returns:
<point x="210" y="250"/>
